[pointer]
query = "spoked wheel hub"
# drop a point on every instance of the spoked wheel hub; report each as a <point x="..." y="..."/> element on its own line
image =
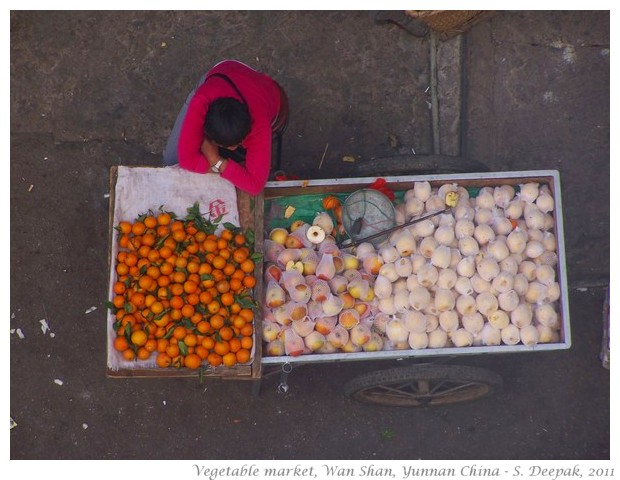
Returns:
<point x="423" y="385"/>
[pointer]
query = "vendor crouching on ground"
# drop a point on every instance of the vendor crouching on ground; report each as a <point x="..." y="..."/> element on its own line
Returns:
<point x="227" y="125"/>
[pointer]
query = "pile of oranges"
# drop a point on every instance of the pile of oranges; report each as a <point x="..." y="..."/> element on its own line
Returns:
<point x="182" y="292"/>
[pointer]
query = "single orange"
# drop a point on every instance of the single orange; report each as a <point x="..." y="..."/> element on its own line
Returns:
<point x="227" y="299"/>
<point x="196" y="317"/>
<point x="210" y="245"/>
<point x="203" y="326"/>
<point x="235" y="284"/>
<point x="202" y="352"/>
<point x="143" y="251"/>
<point x="153" y="255"/>
<point x="138" y="228"/>
<point x="119" y="288"/>
<point x="138" y="299"/>
<point x="176" y="289"/>
<point x="239" y="239"/>
<point x="123" y="241"/>
<point x="124" y="227"/>
<point x="193" y="266"/>
<point x="147" y="283"/>
<point x="163" y="280"/>
<point x="193" y="299"/>
<point x="190" y="340"/>
<point x="238" y="321"/>
<point x="247" y="266"/>
<point x="221" y="348"/>
<point x="187" y="310"/>
<point x="179" y="332"/>
<point x="240" y="254"/>
<point x="151" y="345"/>
<point x="204" y="269"/>
<point x="181" y="262"/>
<point x="163" y="360"/>
<point x="229" y="269"/>
<point x="129" y="354"/>
<point x="139" y="338"/>
<point x="164" y="218"/>
<point x="162" y="292"/>
<point x="239" y="274"/>
<point x="157" y="308"/>
<point x="226" y="333"/>
<point x="148" y="239"/>
<point x="243" y="355"/>
<point x="149" y="300"/>
<point x="166" y="268"/>
<point x="218" y="262"/>
<point x="222" y="286"/>
<point x="192" y="247"/>
<point x="213" y="307"/>
<point x="216" y="321"/>
<point x="118" y="301"/>
<point x="190" y="287"/>
<point x="169" y="241"/>
<point x="192" y="361"/>
<point x="234" y="344"/>
<point x="247" y="330"/>
<point x="190" y="228"/>
<point x="153" y="272"/>
<point x="208" y="343"/>
<point x="162" y="344"/>
<point x="179" y="277"/>
<point x="121" y="344"/>
<point x="229" y="359"/>
<point x="172" y="350"/>
<point x="178" y="235"/>
<point x="143" y="353"/>
<point x="129" y="319"/>
<point x="176" y="225"/>
<point x="162" y="231"/>
<point x="122" y="269"/>
<point x="249" y="281"/>
<point x="214" y="359"/>
<point x="247" y="313"/>
<point x="247" y="342"/>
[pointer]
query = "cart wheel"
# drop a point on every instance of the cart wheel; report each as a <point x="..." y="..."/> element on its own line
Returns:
<point x="419" y="165"/>
<point x="423" y="385"/>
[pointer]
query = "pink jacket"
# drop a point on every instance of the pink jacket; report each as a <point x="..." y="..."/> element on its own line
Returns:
<point x="263" y="98"/>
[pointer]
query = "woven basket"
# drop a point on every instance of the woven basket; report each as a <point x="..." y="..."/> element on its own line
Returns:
<point x="449" y="22"/>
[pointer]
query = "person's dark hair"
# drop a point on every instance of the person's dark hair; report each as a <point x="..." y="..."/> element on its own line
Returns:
<point x="227" y="122"/>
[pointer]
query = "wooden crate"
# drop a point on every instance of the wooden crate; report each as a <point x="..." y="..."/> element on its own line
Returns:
<point x="250" y="216"/>
<point x="449" y="23"/>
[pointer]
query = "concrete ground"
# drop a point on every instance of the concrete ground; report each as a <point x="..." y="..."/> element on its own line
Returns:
<point x="523" y="90"/>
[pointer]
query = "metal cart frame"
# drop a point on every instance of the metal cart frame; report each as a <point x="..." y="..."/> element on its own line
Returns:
<point x="433" y="381"/>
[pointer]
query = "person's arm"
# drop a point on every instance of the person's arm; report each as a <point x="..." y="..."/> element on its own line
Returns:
<point x="211" y="152"/>
<point x="253" y="176"/>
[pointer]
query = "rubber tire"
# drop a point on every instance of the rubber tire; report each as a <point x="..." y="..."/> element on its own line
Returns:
<point x="473" y="383"/>
<point x="418" y="165"/>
